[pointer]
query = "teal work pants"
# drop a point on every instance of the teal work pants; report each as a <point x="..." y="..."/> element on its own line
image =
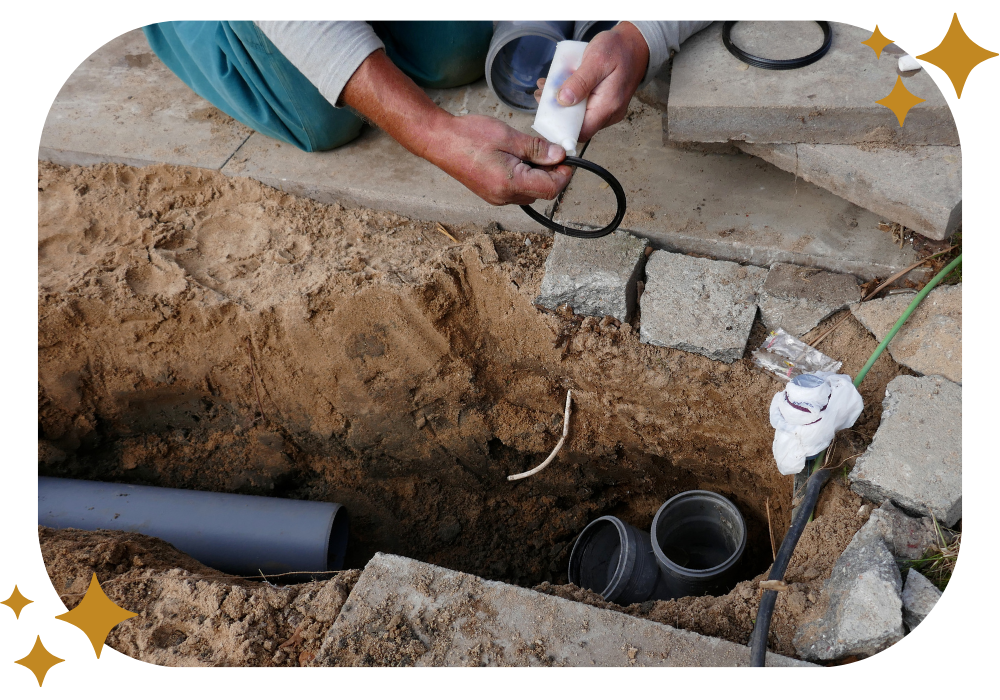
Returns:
<point x="235" y="66"/>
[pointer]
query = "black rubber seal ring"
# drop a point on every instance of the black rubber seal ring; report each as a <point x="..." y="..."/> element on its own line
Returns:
<point x="577" y="232"/>
<point x="777" y="63"/>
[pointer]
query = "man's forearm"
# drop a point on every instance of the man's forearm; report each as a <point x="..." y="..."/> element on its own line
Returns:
<point x="385" y="96"/>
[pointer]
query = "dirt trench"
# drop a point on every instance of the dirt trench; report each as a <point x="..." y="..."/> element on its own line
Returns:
<point x="203" y="332"/>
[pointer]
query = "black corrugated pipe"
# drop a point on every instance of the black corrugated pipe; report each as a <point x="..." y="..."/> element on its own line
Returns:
<point x="758" y="640"/>
<point x="243" y="535"/>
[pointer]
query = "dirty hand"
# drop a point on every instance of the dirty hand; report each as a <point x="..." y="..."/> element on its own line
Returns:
<point x="486" y="155"/>
<point x="614" y="64"/>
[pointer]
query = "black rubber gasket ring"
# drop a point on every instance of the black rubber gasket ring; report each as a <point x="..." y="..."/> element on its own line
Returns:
<point x="577" y="232"/>
<point x="777" y="63"/>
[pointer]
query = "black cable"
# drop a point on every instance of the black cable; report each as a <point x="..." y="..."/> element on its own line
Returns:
<point x="758" y="640"/>
<point x="580" y="233"/>
<point x="777" y="63"/>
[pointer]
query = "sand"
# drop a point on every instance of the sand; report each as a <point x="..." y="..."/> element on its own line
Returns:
<point x="205" y="332"/>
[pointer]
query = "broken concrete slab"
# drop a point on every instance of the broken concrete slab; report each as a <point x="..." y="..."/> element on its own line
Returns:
<point x="916" y="457"/>
<point x="699" y="305"/>
<point x="728" y="206"/>
<point x="917" y="186"/>
<point x="122" y="105"/>
<point x="716" y="97"/>
<point x="863" y="614"/>
<point x="931" y="340"/>
<point x="400" y="182"/>
<point x="906" y="537"/>
<point x="407" y="613"/>
<point x="595" y="276"/>
<point x="798" y="298"/>
<point x="919" y="598"/>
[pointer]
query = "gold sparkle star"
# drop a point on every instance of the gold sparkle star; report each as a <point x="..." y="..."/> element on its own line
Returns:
<point x="96" y="615"/>
<point x="16" y="602"/>
<point x="957" y="55"/>
<point x="900" y="100"/>
<point x="877" y="42"/>
<point x="39" y="660"/>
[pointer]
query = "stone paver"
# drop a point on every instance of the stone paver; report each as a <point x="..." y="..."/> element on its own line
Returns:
<point x="863" y="614"/>
<point x="699" y="305"/>
<point x="406" y="612"/>
<point x="919" y="598"/>
<point x="595" y="276"/>
<point x="375" y="171"/>
<point x="122" y="105"/>
<point x="916" y="457"/>
<point x="728" y="206"/>
<point x="716" y="97"/>
<point x="906" y="537"/>
<point x="931" y="340"/>
<point x="797" y="298"/>
<point x="918" y="186"/>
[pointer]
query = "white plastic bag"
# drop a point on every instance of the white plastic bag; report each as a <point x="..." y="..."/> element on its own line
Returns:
<point x="807" y="414"/>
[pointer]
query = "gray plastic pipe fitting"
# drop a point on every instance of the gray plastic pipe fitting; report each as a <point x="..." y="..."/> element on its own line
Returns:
<point x="520" y="54"/>
<point x="243" y="535"/>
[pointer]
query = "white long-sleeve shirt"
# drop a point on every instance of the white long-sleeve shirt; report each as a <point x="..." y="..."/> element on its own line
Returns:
<point x="328" y="53"/>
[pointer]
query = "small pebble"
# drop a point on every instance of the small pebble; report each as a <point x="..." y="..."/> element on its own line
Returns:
<point x="908" y="63"/>
<point x="527" y="241"/>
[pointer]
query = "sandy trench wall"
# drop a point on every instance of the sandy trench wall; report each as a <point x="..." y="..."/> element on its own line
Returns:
<point x="397" y="373"/>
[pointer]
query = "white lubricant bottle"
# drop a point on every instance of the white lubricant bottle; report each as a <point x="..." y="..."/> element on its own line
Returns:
<point x="555" y="122"/>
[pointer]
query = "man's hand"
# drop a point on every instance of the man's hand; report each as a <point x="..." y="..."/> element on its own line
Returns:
<point x="487" y="156"/>
<point x="482" y="153"/>
<point x="613" y="66"/>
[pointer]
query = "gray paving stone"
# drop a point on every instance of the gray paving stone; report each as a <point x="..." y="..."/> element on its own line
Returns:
<point x="727" y="206"/>
<point x="716" y="97"/>
<point x="374" y="171"/>
<point x="595" y="276"/>
<point x="797" y="298"/>
<point x="863" y="614"/>
<point x="699" y="305"/>
<point x="916" y="457"/>
<point x="931" y="340"/>
<point x="905" y="536"/>
<point x="919" y="598"/>
<point x="917" y="186"/>
<point x="122" y="105"/>
<point x="409" y="613"/>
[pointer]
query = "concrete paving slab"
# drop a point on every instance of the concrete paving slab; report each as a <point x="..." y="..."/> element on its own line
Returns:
<point x="919" y="598"/>
<point x="122" y="105"/>
<point x="699" y="305"/>
<point x="731" y="207"/>
<point x="798" y="298"/>
<point x="716" y="97"/>
<point x="916" y="457"/>
<point x="864" y="612"/>
<point x="405" y="612"/>
<point x="917" y="186"/>
<point x="595" y="276"/>
<point x="931" y="340"/>
<point x="374" y="171"/>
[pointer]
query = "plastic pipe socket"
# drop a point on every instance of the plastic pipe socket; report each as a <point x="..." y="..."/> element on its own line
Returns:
<point x="236" y="534"/>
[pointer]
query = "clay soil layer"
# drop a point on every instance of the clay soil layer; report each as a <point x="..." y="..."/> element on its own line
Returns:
<point x="203" y="332"/>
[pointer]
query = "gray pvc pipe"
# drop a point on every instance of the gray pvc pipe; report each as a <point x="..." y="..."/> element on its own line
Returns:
<point x="232" y="533"/>
<point x="520" y="53"/>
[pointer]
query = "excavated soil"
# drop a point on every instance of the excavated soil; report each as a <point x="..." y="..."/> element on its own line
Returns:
<point x="204" y="332"/>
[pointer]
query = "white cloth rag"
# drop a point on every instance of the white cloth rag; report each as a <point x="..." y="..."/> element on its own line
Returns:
<point x="805" y="419"/>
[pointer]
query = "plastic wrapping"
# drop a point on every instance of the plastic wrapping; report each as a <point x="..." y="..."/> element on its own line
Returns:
<point x="808" y="413"/>
<point x="785" y="356"/>
<point x="556" y="123"/>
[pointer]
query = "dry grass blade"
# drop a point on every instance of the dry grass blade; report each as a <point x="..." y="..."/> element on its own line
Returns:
<point x="875" y="291"/>
<point x="774" y="551"/>
<point x="442" y="229"/>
